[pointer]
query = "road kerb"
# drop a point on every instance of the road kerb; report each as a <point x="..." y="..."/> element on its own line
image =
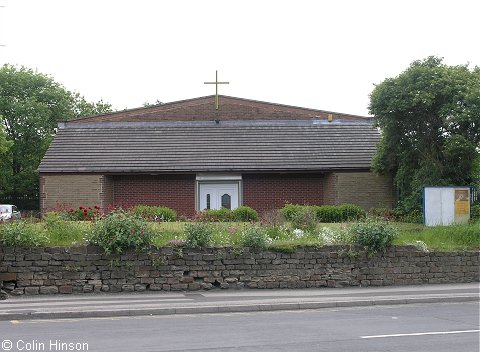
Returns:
<point x="212" y="308"/>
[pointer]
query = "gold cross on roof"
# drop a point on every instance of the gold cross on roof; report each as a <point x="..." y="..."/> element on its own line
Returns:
<point x="216" y="88"/>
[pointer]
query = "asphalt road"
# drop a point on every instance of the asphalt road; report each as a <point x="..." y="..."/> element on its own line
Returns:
<point x="429" y="327"/>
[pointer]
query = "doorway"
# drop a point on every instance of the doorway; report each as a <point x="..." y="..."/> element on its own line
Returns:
<point x="218" y="195"/>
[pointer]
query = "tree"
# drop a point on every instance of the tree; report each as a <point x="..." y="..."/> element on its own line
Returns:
<point x="5" y="144"/>
<point x="429" y="116"/>
<point x="31" y="105"/>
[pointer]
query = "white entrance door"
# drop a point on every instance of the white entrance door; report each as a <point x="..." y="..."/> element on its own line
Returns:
<point x="218" y="195"/>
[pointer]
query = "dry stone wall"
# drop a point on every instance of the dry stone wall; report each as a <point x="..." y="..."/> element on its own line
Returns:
<point x="55" y="270"/>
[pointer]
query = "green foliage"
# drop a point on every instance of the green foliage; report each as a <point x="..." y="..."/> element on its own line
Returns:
<point x="242" y="214"/>
<point x="339" y="213"/>
<point x="254" y="237"/>
<point x="283" y="247"/>
<point x="155" y="213"/>
<point x="83" y="213"/>
<point x="430" y="131"/>
<point x="21" y="234"/>
<point x="198" y="234"/>
<point x="374" y="234"/>
<point x="63" y="233"/>
<point x="398" y="214"/>
<point x="31" y="105"/>
<point x="328" y="213"/>
<point x="119" y="231"/>
<point x="322" y="213"/>
<point x="245" y="214"/>
<point x="350" y="212"/>
<point x="305" y="219"/>
<point x="475" y="212"/>
<point x="213" y="215"/>
<point x="5" y="143"/>
<point x="290" y="211"/>
<point x="443" y="238"/>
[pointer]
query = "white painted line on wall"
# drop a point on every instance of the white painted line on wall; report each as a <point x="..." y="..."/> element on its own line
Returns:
<point x="420" y="334"/>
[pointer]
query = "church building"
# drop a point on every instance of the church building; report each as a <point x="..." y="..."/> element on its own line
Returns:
<point x="190" y="156"/>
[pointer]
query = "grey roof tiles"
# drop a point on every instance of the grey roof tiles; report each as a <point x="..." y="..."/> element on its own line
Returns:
<point x="207" y="146"/>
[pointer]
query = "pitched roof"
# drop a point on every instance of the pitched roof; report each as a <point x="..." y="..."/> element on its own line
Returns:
<point x="203" y="108"/>
<point x="208" y="146"/>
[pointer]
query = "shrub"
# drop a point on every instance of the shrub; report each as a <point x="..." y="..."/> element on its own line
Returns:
<point x="374" y="234"/>
<point x="383" y="213"/>
<point x="351" y="212"/>
<point x="328" y="213"/>
<point x="305" y="219"/>
<point x="255" y="237"/>
<point x="273" y="218"/>
<point x="198" y="234"/>
<point x="82" y="213"/>
<point x="213" y="215"/>
<point x="290" y="211"/>
<point x="155" y="213"/>
<point x="324" y="213"/>
<point x="413" y="216"/>
<point x="119" y="231"/>
<point x="278" y="233"/>
<point x="475" y="212"/>
<point x="244" y="213"/>
<point x="22" y="234"/>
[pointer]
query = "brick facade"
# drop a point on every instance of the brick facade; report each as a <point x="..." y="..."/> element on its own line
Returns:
<point x="59" y="190"/>
<point x="362" y="188"/>
<point x="264" y="192"/>
<point x="173" y="191"/>
<point x="231" y="109"/>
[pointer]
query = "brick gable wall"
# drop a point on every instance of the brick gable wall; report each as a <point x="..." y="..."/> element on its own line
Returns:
<point x="230" y="109"/>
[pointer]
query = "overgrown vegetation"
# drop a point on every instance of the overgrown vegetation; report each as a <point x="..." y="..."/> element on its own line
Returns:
<point x="323" y="213"/>
<point x="21" y="234"/>
<point x="120" y="230"/>
<point x="374" y="234"/>
<point x="198" y="234"/>
<point x="242" y="213"/>
<point x="428" y="115"/>
<point x="154" y="213"/>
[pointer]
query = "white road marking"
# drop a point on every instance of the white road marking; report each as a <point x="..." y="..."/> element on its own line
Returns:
<point x="420" y="334"/>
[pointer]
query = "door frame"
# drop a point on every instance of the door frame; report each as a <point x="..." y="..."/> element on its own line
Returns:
<point x="202" y="179"/>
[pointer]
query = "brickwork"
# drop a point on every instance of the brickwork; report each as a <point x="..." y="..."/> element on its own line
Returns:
<point x="365" y="189"/>
<point x="106" y="192"/>
<point x="264" y="192"/>
<point x="330" y="189"/>
<point x="87" y="269"/>
<point x="173" y="191"/>
<point x="204" y="109"/>
<point x="70" y="191"/>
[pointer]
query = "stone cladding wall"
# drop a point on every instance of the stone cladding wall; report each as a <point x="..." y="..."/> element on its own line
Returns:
<point x="54" y="270"/>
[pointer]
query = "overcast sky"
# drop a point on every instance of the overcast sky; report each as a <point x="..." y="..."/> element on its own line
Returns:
<point x="317" y="54"/>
